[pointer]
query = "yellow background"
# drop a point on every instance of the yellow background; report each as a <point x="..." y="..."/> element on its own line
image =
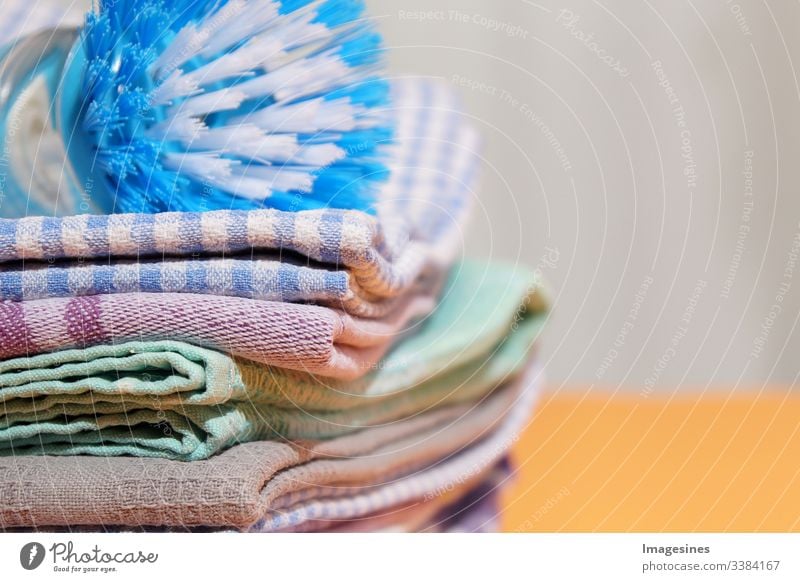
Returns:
<point x="595" y="461"/>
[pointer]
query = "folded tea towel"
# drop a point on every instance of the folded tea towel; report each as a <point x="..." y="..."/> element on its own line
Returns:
<point x="414" y="516"/>
<point x="309" y="338"/>
<point x="467" y="466"/>
<point x="359" y="258"/>
<point x="314" y="339"/>
<point x="464" y="509"/>
<point x="238" y="487"/>
<point x="196" y="432"/>
<point x="268" y="279"/>
<point x="406" y="518"/>
<point x="174" y="400"/>
<point x="444" y="514"/>
<point x="179" y="401"/>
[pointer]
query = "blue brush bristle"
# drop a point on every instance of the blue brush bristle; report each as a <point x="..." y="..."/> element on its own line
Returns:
<point x="207" y="104"/>
<point x="333" y="13"/>
<point x="363" y="49"/>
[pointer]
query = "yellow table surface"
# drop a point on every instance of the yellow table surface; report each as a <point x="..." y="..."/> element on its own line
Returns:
<point x="593" y="460"/>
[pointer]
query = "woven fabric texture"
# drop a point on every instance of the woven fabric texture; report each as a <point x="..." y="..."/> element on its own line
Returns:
<point x="314" y="339"/>
<point x="464" y="467"/>
<point x="175" y="400"/>
<point x="242" y="487"/>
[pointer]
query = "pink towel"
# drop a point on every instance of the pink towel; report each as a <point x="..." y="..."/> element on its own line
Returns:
<point x="314" y="339"/>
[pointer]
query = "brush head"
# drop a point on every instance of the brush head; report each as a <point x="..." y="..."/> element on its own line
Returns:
<point x="211" y="104"/>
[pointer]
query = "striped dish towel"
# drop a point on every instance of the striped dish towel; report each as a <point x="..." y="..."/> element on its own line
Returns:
<point x="107" y="400"/>
<point x="463" y="509"/>
<point x="312" y="339"/>
<point x="348" y="258"/>
<point x="307" y="338"/>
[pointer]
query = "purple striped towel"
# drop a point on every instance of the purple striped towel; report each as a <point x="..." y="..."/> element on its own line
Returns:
<point x="313" y="339"/>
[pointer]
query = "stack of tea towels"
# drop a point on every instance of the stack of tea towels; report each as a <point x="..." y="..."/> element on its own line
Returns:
<point x="269" y="370"/>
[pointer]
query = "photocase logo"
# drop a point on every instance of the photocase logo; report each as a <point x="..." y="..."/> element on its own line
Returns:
<point x="31" y="555"/>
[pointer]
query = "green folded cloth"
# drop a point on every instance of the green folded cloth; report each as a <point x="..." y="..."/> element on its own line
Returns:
<point x="179" y="401"/>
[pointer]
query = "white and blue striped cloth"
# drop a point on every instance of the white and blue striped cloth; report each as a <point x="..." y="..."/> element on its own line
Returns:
<point x="418" y="223"/>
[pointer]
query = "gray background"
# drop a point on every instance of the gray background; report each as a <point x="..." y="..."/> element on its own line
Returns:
<point x="664" y="267"/>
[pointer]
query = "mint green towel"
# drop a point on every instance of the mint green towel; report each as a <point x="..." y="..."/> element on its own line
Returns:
<point x="180" y="401"/>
